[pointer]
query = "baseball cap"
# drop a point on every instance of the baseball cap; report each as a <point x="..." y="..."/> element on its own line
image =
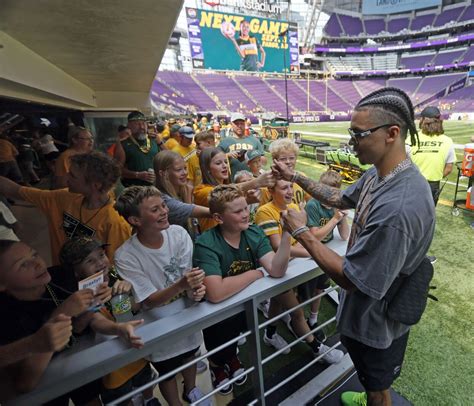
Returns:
<point x="252" y="154"/>
<point x="76" y="250"/>
<point x="174" y="128"/>
<point x="136" y="116"/>
<point x="237" y="116"/>
<point x="431" y="112"/>
<point x="188" y="132"/>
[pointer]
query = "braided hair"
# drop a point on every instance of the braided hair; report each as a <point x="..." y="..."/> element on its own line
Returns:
<point x="395" y="103"/>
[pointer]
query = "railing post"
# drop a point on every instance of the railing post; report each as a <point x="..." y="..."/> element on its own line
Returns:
<point x="255" y="351"/>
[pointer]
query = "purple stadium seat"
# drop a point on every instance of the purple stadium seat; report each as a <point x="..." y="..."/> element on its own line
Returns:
<point x="408" y="85"/>
<point x="469" y="55"/>
<point x="448" y="15"/>
<point x="468" y="14"/>
<point x="374" y="27"/>
<point x="368" y="86"/>
<point x="352" y="25"/>
<point x="418" y="61"/>
<point x="397" y="24"/>
<point x="422" y="21"/>
<point x="446" y="58"/>
<point x="460" y="101"/>
<point x="434" y="84"/>
<point x="333" y="28"/>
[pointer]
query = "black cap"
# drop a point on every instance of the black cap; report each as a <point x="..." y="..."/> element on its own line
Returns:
<point x="76" y="250"/>
<point x="431" y="112"/>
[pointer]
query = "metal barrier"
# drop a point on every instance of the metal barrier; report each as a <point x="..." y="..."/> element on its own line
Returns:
<point x="91" y="358"/>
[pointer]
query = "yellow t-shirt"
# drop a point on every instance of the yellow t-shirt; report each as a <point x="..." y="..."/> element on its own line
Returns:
<point x="268" y="219"/>
<point x="185" y="152"/>
<point x="194" y="170"/>
<point x="171" y="143"/>
<point x="63" y="163"/>
<point x="201" y="195"/>
<point x="68" y="219"/>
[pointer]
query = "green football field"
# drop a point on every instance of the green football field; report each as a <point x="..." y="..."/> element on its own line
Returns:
<point x="439" y="364"/>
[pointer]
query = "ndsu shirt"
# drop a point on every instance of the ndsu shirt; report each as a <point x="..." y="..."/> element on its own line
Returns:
<point x="249" y="47"/>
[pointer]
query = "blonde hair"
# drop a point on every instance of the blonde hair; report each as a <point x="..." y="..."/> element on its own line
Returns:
<point x="204" y="136"/>
<point x="221" y="195"/>
<point x="331" y="178"/>
<point x="129" y="201"/>
<point x="162" y="162"/>
<point x="281" y="145"/>
<point x="431" y="126"/>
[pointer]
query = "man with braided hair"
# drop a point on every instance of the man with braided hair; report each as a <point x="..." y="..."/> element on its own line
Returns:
<point x="392" y="230"/>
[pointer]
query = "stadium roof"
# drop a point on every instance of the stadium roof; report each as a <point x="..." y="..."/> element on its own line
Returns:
<point x="83" y="53"/>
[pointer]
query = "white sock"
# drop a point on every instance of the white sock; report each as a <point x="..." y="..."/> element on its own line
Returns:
<point x="313" y="318"/>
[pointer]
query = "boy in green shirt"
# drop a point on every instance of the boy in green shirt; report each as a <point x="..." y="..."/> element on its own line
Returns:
<point x="230" y="254"/>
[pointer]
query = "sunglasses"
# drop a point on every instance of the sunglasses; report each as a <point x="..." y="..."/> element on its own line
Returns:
<point x="357" y="135"/>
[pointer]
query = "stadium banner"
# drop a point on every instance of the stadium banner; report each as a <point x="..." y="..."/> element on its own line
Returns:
<point x="228" y="41"/>
<point x="398" y="47"/>
<point x="318" y="118"/>
<point x="381" y="7"/>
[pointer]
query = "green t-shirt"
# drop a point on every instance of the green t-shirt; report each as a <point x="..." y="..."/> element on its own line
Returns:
<point x="319" y="216"/>
<point x="216" y="257"/>
<point x="138" y="161"/>
<point x="230" y="144"/>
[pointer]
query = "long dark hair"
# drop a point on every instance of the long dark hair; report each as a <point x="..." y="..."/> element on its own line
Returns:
<point x="205" y="163"/>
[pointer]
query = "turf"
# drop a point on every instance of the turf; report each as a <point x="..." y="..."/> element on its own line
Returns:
<point x="439" y="363"/>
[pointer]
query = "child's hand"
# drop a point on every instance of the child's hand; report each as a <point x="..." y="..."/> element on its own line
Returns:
<point x="77" y="303"/>
<point x="54" y="335"/>
<point x="103" y="293"/>
<point x="266" y="179"/>
<point x="127" y="332"/>
<point x="121" y="287"/>
<point x="253" y="196"/>
<point x="199" y="293"/>
<point x="194" y="278"/>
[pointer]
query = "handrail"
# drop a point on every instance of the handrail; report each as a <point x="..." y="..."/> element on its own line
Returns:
<point x="90" y="358"/>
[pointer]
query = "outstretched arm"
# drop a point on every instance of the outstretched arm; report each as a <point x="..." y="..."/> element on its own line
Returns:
<point x="10" y="189"/>
<point x="328" y="195"/>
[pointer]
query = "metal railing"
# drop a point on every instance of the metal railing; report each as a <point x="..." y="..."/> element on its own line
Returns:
<point x="91" y="358"/>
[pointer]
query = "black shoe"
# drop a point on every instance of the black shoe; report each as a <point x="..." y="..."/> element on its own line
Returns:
<point x="432" y="258"/>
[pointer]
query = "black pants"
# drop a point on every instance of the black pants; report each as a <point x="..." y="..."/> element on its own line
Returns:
<point x="220" y="333"/>
<point x="435" y="190"/>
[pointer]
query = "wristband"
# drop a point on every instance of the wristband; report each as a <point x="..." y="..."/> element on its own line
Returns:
<point x="294" y="178"/>
<point x="136" y="175"/>
<point x="299" y="230"/>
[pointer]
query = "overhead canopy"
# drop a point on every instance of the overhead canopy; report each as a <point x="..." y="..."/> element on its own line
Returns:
<point x="83" y="53"/>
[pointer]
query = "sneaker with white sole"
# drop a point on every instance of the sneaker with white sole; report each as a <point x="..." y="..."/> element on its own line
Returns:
<point x="234" y="368"/>
<point x="220" y="379"/>
<point x="194" y="395"/>
<point x="332" y="357"/>
<point x="264" y="307"/>
<point x="277" y="342"/>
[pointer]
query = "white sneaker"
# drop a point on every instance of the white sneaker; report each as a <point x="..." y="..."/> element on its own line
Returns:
<point x="332" y="357"/>
<point x="194" y="395"/>
<point x="277" y="342"/>
<point x="263" y="307"/>
<point x="201" y="367"/>
<point x="242" y="341"/>
<point x="286" y="318"/>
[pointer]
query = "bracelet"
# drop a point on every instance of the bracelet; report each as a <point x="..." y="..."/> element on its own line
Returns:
<point x="294" y="178"/>
<point x="136" y="175"/>
<point x="299" y="230"/>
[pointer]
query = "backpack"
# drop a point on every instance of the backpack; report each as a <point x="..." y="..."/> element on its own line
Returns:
<point x="408" y="295"/>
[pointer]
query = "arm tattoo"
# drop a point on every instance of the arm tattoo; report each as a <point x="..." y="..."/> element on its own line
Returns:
<point x="328" y="195"/>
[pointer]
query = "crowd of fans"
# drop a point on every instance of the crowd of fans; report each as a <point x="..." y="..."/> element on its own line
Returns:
<point x="170" y="217"/>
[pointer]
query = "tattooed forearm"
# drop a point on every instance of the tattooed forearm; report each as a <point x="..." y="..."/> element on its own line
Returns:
<point x="328" y="195"/>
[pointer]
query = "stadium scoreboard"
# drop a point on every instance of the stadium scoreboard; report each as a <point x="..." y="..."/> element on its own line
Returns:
<point x="229" y="41"/>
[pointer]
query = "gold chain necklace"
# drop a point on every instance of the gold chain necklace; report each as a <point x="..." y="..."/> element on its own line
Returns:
<point x="144" y="148"/>
<point x="95" y="214"/>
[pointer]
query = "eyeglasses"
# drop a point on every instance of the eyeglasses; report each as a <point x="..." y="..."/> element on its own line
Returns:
<point x="356" y="135"/>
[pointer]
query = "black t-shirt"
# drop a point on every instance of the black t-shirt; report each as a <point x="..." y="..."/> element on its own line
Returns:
<point x="21" y="318"/>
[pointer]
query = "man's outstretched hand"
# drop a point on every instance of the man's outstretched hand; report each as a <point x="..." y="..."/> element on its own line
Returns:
<point x="281" y="171"/>
<point x="293" y="219"/>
